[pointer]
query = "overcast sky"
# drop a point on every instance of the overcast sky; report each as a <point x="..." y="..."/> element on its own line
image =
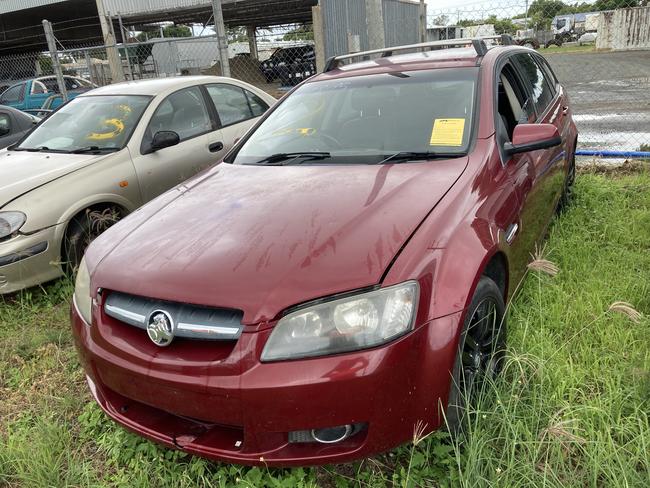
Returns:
<point x="476" y="8"/>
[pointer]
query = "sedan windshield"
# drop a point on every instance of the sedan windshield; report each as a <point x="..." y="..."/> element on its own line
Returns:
<point x="382" y="118"/>
<point x="91" y="123"/>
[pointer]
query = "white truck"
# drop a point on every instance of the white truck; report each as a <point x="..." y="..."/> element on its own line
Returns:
<point x="570" y="27"/>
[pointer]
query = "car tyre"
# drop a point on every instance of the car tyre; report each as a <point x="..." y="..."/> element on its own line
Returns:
<point x="81" y="231"/>
<point x="567" y="191"/>
<point x="480" y="353"/>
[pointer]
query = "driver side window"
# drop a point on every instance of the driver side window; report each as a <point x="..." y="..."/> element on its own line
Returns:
<point x="183" y="112"/>
<point x="513" y="104"/>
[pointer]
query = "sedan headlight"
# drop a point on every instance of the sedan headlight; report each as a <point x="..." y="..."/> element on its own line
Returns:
<point x="82" y="292"/>
<point x="347" y="324"/>
<point x="10" y="222"/>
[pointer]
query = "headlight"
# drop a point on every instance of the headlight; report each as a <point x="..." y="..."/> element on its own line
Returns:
<point x="346" y="324"/>
<point x="10" y="222"/>
<point x="82" y="292"/>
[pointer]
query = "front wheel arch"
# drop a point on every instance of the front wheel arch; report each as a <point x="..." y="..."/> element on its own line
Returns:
<point x="92" y="220"/>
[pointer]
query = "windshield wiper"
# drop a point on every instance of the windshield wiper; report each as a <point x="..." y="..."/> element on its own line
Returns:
<point x="281" y="159"/>
<point x="405" y="156"/>
<point x="33" y="149"/>
<point x="88" y="149"/>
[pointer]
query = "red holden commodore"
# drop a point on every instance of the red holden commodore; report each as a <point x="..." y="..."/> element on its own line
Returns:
<point x="341" y="276"/>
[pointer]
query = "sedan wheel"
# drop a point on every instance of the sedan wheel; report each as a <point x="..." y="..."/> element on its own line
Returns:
<point x="481" y="350"/>
<point x="567" y="191"/>
<point x="82" y="230"/>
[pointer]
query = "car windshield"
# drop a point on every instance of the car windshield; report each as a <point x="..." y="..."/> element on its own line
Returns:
<point x="99" y="123"/>
<point x="366" y="119"/>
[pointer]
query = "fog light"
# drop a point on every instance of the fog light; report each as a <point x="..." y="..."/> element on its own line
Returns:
<point x="330" y="435"/>
<point x="327" y="435"/>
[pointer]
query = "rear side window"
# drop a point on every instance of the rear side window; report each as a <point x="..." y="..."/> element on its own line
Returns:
<point x="548" y="73"/>
<point x="13" y="94"/>
<point x="258" y="106"/>
<point x="38" y="87"/>
<point x="234" y="104"/>
<point x="71" y="84"/>
<point x="539" y="86"/>
<point x="51" y="84"/>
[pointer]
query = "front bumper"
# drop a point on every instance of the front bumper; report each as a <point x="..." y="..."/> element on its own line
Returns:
<point x="228" y="406"/>
<point x="28" y="260"/>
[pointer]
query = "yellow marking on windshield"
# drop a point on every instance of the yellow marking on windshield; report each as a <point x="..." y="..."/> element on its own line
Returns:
<point x="447" y="132"/>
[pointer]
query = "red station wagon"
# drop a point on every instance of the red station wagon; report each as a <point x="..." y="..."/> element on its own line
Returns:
<point x="342" y="275"/>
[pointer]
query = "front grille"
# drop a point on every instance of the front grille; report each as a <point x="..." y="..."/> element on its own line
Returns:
<point x="190" y="321"/>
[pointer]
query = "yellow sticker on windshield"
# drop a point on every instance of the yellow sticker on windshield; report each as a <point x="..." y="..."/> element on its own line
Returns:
<point x="447" y="132"/>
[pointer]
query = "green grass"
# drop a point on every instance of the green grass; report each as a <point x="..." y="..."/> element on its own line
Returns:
<point x="587" y="48"/>
<point x="571" y="408"/>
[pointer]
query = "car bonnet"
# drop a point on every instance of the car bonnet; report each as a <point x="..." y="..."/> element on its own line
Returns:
<point x="261" y="239"/>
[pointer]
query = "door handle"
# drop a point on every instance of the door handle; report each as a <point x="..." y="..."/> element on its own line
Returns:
<point x="215" y="146"/>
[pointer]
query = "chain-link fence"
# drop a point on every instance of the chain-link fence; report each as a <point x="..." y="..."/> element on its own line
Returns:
<point x="600" y="51"/>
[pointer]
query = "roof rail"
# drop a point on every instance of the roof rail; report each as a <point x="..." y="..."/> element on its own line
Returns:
<point x="477" y="43"/>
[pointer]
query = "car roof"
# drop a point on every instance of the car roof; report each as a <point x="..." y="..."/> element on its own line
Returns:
<point x="435" y="59"/>
<point x="157" y="86"/>
<point x="17" y="113"/>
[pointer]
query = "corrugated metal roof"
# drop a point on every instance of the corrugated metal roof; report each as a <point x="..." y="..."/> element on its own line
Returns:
<point x="7" y="6"/>
<point x="130" y="7"/>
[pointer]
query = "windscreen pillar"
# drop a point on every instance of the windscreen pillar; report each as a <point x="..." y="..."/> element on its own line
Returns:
<point x="375" y="24"/>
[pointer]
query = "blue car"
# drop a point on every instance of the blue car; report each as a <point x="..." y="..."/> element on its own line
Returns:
<point x="31" y="94"/>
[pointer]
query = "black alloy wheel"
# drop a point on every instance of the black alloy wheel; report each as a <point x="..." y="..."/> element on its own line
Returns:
<point x="481" y="351"/>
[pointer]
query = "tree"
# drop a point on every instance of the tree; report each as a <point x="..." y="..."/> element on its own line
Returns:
<point x="302" y="33"/>
<point x="614" y="4"/>
<point x="441" y="20"/>
<point x="168" y="31"/>
<point x="501" y="26"/>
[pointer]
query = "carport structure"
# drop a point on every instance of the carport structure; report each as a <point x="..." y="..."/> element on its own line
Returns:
<point x="21" y="19"/>
<point x="99" y="31"/>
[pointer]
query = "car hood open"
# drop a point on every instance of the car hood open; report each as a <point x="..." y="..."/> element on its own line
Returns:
<point x="23" y="171"/>
<point x="261" y="239"/>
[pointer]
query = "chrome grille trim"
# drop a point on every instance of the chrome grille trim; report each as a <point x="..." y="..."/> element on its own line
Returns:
<point x="192" y="321"/>
<point x="126" y="316"/>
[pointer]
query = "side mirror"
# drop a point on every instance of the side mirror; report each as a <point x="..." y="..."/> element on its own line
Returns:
<point x="531" y="137"/>
<point x="163" y="139"/>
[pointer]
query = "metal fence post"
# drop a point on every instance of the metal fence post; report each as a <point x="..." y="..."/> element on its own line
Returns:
<point x="51" y="44"/>
<point x="117" y="71"/>
<point x="124" y="43"/>
<point x="252" y="41"/>
<point x="375" y="24"/>
<point x="423" y="21"/>
<point x="89" y="65"/>
<point x="222" y="39"/>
